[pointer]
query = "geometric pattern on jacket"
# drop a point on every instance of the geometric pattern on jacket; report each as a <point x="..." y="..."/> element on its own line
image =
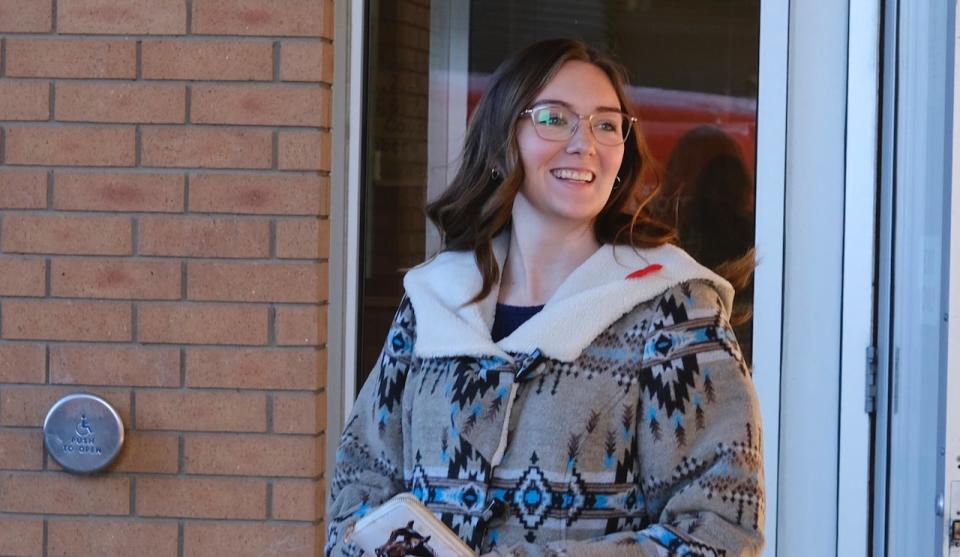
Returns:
<point x="647" y="443"/>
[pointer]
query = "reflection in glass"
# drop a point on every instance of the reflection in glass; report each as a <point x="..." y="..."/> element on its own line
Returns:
<point x="708" y="193"/>
<point x="395" y="164"/>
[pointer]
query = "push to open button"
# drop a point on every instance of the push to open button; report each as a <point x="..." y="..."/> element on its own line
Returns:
<point x="83" y="433"/>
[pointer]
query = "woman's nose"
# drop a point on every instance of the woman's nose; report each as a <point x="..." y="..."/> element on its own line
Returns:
<point x="582" y="140"/>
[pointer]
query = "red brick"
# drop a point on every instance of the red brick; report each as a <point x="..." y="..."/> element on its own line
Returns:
<point x="121" y="102"/>
<point x="259" y="194"/>
<point x="303" y="239"/>
<point x="96" y="538"/>
<point x="22" y="276"/>
<point x="24" y="100"/>
<point x="136" y="17"/>
<point x="115" y="278"/>
<point x="283" y="105"/>
<point x="27" y="406"/>
<point x="304" y="150"/>
<point x="21" y="449"/>
<point x="202" y="498"/>
<point x="74" y="145"/>
<point x="299" y="413"/>
<point x="301" y="326"/>
<point x="203" y="324"/>
<point x="255" y="369"/>
<point x="26" y="492"/>
<point x="207" y="147"/>
<point x="23" y="189"/>
<point x="257" y="282"/>
<point x="306" y="61"/>
<point x="208" y="60"/>
<point x="251" y="540"/>
<point x="258" y="17"/>
<point x="201" y="411"/>
<point x="24" y="16"/>
<point x="22" y="363"/>
<point x="21" y="537"/>
<point x="89" y="235"/>
<point x="253" y="455"/>
<point x="298" y="500"/>
<point x="115" y="365"/>
<point x="146" y="452"/>
<point x="103" y="59"/>
<point x="205" y="237"/>
<point x="326" y="29"/>
<point x="118" y="191"/>
<point x="56" y="320"/>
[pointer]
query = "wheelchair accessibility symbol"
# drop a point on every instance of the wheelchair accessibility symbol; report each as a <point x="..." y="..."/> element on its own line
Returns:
<point x="83" y="428"/>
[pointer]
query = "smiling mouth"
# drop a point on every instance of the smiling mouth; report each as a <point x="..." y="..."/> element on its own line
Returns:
<point x="572" y="175"/>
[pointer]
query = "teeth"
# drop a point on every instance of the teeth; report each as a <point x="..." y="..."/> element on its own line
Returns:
<point x="569" y="174"/>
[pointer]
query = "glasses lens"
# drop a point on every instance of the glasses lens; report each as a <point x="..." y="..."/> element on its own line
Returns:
<point x="558" y="123"/>
<point x="554" y="122"/>
<point x="610" y="128"/>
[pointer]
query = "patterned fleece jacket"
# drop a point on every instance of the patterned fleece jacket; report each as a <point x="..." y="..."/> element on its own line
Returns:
<point x="621" y="420"/>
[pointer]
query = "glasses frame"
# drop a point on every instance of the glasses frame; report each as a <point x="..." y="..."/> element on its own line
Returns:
<point x="580" y="117"/>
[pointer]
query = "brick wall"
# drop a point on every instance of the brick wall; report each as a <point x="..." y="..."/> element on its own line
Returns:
<point x="164" y="188"/>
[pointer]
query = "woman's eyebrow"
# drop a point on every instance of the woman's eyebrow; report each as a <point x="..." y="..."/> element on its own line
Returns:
<point x="539" y="102"/>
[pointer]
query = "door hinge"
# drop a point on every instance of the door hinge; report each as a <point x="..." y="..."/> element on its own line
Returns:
<point x="870" y="396"/>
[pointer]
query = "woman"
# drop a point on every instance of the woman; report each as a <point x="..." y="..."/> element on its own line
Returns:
<point x="559" y="379"/>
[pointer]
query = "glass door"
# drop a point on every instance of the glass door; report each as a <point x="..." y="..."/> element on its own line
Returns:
<point x="699" y="80"/>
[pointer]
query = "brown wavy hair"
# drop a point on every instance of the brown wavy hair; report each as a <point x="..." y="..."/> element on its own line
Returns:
<point x="477" y="204"/>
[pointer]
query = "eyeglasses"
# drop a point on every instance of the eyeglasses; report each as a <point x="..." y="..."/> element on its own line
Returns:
<point x="555" y="122"/>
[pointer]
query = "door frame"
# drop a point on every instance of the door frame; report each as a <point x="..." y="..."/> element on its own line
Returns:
<point x="770" y="209"/>
<point x="951" y="414"/>
<point x="858" y="352"/>
<point x="916" y="363"/>
<point x="343" y="309"/>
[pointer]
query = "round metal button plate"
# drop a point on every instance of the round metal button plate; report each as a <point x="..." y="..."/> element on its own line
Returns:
<point x="83" y="433"/>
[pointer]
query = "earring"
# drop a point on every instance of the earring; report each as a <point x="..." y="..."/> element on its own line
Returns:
<point x="495" y="175"/>
<point x="618" y="182"/>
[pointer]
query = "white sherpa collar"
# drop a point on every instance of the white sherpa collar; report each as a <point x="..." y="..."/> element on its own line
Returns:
<point x="596" y="294"/>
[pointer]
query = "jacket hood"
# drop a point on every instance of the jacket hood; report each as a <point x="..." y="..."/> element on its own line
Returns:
<point x="610" y="283"/>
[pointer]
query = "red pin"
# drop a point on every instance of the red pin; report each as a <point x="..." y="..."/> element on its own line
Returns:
<point x="640" y="273"/>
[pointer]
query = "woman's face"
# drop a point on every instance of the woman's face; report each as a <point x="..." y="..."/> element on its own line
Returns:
<point x="569" y="181"/>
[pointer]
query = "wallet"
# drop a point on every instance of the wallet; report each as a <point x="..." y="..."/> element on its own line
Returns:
<point x="404" y="526"/>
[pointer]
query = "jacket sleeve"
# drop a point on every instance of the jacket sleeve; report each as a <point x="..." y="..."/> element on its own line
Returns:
<point x="369" y="461"/>
<point x="698" y="436"/>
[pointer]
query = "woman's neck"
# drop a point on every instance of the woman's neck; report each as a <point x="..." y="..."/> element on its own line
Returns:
<point x="540" y="259"/>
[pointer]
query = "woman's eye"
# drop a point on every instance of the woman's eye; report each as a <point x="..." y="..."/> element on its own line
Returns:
<point x="606" y="126"/>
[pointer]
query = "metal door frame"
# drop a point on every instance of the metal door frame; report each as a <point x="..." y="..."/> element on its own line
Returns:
<point x="913" y="276"/>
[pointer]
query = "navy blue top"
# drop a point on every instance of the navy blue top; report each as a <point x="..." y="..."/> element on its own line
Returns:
<point x="508" y="318"/>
